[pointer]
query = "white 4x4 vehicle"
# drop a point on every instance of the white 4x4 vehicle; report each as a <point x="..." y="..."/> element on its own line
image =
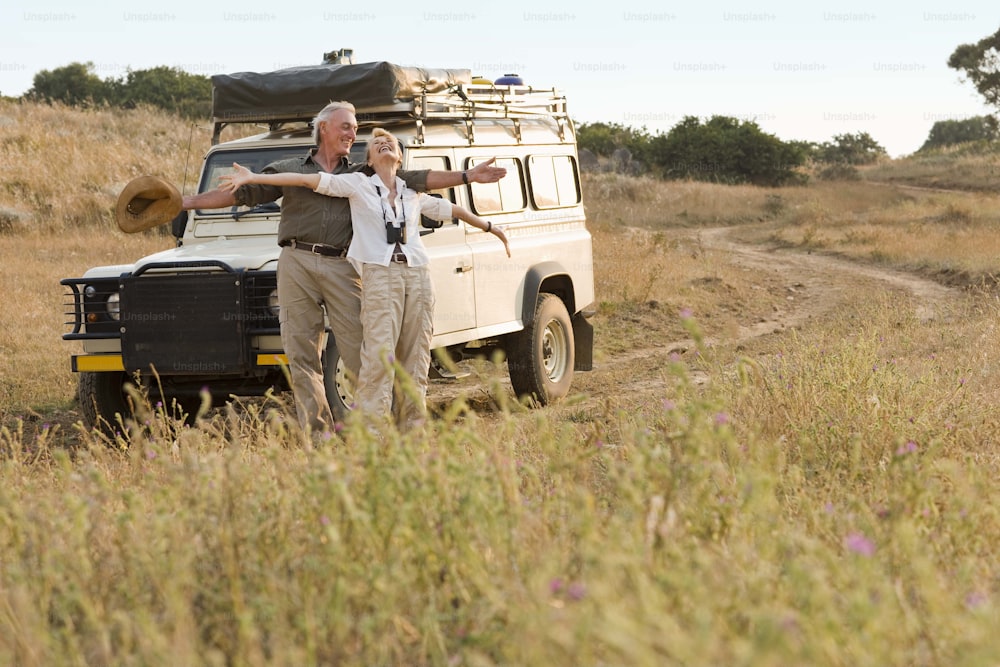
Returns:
<point x="204" y="313"/>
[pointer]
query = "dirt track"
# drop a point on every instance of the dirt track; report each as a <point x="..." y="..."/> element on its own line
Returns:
<point x="821" y="282"/>
<point x="812" y="285"/>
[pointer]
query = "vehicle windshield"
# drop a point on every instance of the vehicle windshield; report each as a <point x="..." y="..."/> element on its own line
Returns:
<point x="255" y="159"/>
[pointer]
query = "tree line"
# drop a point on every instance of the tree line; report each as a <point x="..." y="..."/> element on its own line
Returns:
<point x="167" y="88"/>
<point x="723" y="149"/>
<point x="719" y="149"/>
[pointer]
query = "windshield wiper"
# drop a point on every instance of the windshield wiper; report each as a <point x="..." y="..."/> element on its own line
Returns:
<point x="269" y="207"/>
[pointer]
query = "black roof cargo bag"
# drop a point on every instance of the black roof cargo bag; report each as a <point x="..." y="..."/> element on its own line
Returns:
<point x="298" y="93"/>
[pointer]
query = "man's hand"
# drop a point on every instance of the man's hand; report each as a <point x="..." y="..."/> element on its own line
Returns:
<point x="485" y="172"/>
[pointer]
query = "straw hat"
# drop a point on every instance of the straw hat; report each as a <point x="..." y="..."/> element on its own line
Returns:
<point x="147" y="202"/>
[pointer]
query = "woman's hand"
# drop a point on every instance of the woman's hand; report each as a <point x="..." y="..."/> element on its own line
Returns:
<point x="240" y="176"/>
<point x="498" y="232"/>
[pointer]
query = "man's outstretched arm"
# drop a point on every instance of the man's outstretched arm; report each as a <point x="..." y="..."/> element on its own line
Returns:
<point x="210" y="199"/>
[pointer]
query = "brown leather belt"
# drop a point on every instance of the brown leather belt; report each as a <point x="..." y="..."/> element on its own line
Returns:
<point x="398" y="257"/>
<point x="315" y="248"/>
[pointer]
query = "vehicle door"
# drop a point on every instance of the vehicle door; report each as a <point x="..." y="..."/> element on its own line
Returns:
<point x="450" y="253"/>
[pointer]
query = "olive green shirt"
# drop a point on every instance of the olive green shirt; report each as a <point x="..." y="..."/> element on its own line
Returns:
<point x="305" y="215"/>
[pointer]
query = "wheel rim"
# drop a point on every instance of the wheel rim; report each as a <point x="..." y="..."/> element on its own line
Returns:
<point x="345" y="388"/>
<point x="554" y="351"/>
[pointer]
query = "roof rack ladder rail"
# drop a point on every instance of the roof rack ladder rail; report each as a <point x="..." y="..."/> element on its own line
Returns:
<point x="420" y="105"/>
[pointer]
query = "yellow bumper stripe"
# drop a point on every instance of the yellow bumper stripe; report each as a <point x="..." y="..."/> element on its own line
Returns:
<point x="272" y="360"/>
<point x="103" y="363"/>
<point x="96" y="363"/>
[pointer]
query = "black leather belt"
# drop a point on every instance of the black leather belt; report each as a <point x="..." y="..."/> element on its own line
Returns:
<point x="315" y="248"/>
<point x="398" y="257"/>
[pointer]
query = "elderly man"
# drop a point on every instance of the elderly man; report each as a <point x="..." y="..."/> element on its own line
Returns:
<point x="313" y="270"/>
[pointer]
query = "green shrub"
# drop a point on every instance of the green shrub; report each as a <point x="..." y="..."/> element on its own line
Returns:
<point x="725" y="150"/>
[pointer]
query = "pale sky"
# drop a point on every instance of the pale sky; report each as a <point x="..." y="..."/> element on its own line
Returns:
<point x="802" y="70"/>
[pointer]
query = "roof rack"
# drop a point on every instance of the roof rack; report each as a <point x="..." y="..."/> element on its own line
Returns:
<point x="470" y="101"/>
<point x="463" y="101"/>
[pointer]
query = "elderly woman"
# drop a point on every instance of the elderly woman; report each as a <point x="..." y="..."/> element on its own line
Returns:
<point x="397" y="298"/>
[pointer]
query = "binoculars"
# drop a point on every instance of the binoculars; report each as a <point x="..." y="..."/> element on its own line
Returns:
<point x="395" y="235"/>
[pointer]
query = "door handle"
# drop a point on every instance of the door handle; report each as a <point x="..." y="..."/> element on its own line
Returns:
<point x="463" y="269"/>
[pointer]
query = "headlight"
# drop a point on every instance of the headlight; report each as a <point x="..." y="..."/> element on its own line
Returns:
<point x="272" y="302"/>
<point x="113" y="306"/>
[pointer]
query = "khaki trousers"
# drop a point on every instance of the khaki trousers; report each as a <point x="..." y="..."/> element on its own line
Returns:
<point x="306" y="283"/>
<point x="397" y="315"/>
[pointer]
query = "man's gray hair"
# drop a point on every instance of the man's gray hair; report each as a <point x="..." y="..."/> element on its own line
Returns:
<point x="325" y="114"/>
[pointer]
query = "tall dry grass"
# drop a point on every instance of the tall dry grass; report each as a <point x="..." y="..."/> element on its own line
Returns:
<point x="614" y="201"/>
<point x="830" y="504"/>
<point x="61" y="168"/>
<point x="34" y="366"/>
<point x="970" y="166"/>
<point x="950" y="235"/>
<point x="828" y="498"/>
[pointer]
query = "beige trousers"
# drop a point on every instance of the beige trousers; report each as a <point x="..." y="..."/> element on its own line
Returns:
<point x="306" y="283"/>
<point x="397" y="315"/>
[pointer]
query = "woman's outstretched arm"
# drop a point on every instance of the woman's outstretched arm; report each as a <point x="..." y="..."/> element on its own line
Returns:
<point x="242" y="176"/>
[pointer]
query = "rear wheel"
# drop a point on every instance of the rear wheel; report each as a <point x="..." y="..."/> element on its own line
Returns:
<point x="540" y="358"/>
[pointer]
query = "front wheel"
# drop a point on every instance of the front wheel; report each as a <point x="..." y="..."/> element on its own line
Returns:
<point x="103" y="397"/>
<point x="541" y="357"/>
<point x="339" y="388"/>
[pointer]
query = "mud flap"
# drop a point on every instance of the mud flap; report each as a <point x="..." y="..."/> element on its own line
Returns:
<point x="583" y="335"/>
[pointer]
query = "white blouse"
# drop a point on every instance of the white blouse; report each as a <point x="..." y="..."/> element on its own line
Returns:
<point x="370" y="210"/>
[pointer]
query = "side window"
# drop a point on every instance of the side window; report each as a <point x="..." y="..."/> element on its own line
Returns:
<point x="439" y="163"/>
<point x="503" y="196"/>
<point x="553" y="181"/>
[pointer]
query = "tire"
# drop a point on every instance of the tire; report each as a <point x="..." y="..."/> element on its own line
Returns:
<point x="541" y="357"/>
<point x="339" y="389"/>
<point x="102" y="397"/>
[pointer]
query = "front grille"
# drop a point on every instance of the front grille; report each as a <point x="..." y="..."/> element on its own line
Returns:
<point x="184" y="324"/>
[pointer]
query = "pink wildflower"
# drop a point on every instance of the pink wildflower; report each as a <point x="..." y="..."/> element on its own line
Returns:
<point x="576" y="591"/>
<point x="859" y="544"/>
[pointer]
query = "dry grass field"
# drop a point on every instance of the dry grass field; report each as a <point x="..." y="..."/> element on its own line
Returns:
<point x="787" y="453"/>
